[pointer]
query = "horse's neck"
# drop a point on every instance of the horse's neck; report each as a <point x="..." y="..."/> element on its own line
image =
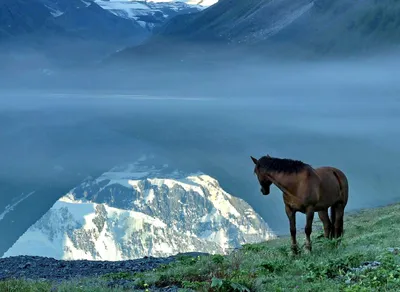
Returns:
<point x="283" y="182"/>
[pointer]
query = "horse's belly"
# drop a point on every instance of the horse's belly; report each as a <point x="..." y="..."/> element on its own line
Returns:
<point x="325" y="204"/>
<point x="321" y="208"/>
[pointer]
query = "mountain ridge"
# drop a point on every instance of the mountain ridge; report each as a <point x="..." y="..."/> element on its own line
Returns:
<point x="76" y="32"/>
<point x="283" y="28"/>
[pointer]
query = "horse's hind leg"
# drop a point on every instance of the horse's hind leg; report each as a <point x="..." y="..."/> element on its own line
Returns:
<point x="338" y="224"/>
<point x="333" y="220"/>
<point x="324" y="217"/>
<point x="308" y="229"/>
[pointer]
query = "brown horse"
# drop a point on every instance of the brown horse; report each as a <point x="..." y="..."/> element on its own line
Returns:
<point x="306" y="190"/>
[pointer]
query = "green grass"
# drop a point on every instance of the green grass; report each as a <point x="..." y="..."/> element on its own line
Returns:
<point x="270" y="266"/>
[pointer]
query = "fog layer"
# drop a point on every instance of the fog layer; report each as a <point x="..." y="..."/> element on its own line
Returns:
<point x="210" y="119"/>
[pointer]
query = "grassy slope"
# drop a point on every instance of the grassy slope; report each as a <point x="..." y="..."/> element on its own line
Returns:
<point x="271" y="267"/>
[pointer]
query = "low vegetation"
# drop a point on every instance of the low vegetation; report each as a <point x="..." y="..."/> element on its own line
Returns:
<point x="366" y="259"/>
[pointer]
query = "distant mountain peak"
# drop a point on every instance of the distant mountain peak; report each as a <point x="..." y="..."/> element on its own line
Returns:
<point x="149" y="14"/>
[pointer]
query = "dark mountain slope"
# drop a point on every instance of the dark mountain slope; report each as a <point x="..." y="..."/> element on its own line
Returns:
<point x="60" y="6"/>
<point x="93" y="22"/>
<point x="285" y="27"/>
<point x="24" y="17"/>
<point x="65" y="32"/>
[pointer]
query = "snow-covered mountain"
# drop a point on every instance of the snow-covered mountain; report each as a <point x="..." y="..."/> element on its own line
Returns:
<point x="135" y="211"/>
<point x="151" y="14"/>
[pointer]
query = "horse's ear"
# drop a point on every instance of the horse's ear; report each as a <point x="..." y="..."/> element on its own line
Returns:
<point x="268" y="156"/>
<point x="254" y="159"/>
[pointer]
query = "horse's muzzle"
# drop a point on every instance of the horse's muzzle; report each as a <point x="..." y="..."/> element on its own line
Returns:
<point x="264" y="191"/>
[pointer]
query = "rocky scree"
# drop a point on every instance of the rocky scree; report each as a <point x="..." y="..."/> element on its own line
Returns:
<point x="43" y="268"/>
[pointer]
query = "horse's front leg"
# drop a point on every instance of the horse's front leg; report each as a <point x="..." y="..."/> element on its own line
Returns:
<point x="308" y="229"/>
<point x="291" y="214"/>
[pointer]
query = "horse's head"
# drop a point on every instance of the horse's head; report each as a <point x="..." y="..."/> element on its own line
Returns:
<point x="264" y="181"/>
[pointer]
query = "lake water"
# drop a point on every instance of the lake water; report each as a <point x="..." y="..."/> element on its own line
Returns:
<point x="46" y="139"/>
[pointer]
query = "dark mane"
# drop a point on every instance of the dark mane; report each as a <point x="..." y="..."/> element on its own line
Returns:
<point x="281" y="164"/>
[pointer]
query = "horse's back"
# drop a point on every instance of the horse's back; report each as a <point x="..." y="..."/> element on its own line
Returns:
<point x="334" y="178"/>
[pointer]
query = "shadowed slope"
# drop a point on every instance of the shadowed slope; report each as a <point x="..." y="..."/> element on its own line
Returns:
<point x="302" y="28"/>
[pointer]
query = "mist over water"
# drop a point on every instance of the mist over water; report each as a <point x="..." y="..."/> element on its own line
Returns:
<point x="339" y="113"/>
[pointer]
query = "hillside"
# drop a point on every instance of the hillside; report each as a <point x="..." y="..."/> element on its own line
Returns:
<point x="304" y="28"/>
<point x="36" y="20"/>
<point x="93" y="22"/>
<point x="23" y="17"/>
<point x="366" y="259"/>
<point x="41" y="33"/>
<point x="36" y="33"/>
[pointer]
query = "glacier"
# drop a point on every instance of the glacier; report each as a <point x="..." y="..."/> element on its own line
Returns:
<point x="136" y="210"/>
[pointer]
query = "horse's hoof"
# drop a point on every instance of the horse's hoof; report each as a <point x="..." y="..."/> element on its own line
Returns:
<point x="295" y="249"/>
<point x="308" y="248"/>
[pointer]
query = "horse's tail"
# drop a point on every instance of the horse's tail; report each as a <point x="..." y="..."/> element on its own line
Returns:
<point x="338" y="211"/>
<point x="343" y="185"/>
